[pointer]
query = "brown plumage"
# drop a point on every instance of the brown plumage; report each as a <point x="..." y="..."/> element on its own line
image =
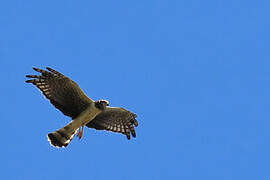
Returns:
<point x="61" y="91"/>
<point x="67" y="96"/>
<point x="115" y="120"/>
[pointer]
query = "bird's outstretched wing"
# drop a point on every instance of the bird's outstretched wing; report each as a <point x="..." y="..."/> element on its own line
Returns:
<point x="116" y="120"/>
<point x="61" y="91"/>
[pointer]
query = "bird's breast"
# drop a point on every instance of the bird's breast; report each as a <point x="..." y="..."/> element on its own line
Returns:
<point x="87" y="115"/>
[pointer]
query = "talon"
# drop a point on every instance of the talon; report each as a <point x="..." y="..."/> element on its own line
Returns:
<point x="80" y="133"/>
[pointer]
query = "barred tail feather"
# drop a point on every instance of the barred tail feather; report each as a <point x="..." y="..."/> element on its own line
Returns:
<point x="63" y="136"/>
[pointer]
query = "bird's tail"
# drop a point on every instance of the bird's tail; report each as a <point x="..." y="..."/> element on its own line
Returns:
<point x="63" y="136"/>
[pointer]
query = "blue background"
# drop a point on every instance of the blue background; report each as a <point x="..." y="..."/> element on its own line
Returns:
<point x="195" y="72"/>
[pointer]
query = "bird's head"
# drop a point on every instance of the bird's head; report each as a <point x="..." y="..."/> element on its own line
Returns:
<point x="101" y="104"/>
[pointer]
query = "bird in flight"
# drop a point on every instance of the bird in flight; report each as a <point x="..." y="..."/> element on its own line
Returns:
<point x="68" y="97"/>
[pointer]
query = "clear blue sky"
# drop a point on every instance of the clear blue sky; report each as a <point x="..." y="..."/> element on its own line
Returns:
<point x="195" y="72"/>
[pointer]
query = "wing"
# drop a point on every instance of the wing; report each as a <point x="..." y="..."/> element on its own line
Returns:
<point x="116" y="120"/>
<point x="61" y="91"/>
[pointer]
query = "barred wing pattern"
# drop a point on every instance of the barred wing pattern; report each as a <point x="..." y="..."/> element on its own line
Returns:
<point x="61" y="91"/>
<point x="115" y="120"/>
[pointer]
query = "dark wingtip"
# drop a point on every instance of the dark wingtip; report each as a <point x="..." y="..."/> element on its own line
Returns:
<point x="29" y="81"/>
<point x="133" y="133"/>
<point x="54" y="71"/>
<point x="128" y="136"/>
<point x="32" y="76"/>
<point x="39" y="70"/>
<point x="135" y="122"/>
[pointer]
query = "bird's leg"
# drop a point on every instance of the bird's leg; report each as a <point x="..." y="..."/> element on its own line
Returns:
<point x="80" y="133"/>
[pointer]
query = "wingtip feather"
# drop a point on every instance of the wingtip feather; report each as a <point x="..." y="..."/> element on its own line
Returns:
<point x="135" y="122"/>
<point x="34" y="68"/>
<point x="48" y="68"/>
<point x="29" y="81"/>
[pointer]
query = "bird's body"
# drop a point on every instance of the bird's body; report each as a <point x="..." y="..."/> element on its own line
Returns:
<point x="67" y="96"/>
<point x="87" y="115"/>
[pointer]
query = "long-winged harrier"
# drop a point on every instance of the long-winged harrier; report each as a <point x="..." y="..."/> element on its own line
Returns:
<point x="67" y="96"/>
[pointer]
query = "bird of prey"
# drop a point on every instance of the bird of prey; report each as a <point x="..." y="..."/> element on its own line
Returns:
<point x="67" y="96"/>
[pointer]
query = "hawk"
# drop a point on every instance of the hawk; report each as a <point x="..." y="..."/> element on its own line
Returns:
<point x="68" y="97"/>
